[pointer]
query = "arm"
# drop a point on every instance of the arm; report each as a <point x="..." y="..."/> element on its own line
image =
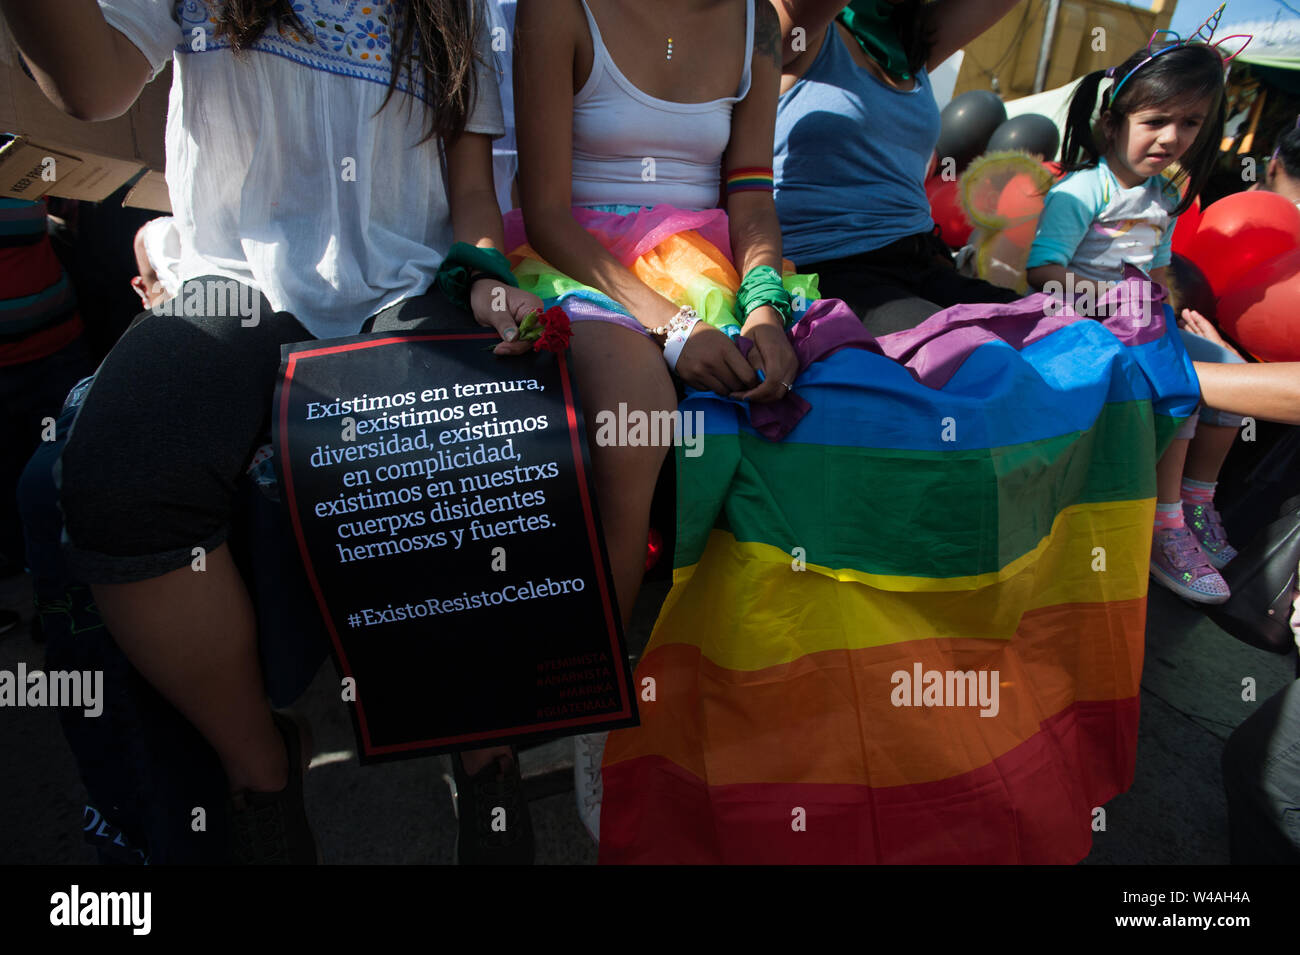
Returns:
<point x="809" y="16"/>
<point x="545" y="52"/>
<point x="84" y="66"/>
<point x="476" y="219"/>
<point x="1268" y="391"/>
<point x="1068" y="213"/>
<point x="544" y="129"/>
<point x="955" y="23"/>
<point x="1041" y="275"/>
<point x="755" y="229"/>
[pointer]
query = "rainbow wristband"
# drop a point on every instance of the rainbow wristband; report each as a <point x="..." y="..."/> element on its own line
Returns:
<point x="751" y="179"/>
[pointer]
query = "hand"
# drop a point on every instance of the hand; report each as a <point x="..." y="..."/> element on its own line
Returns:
<point x="711" y="362"/>
<point x="1198" y="324"/>
<point x="151" y="292"/>
<point x="503" y="307"/>
<point x="772" y="354"/>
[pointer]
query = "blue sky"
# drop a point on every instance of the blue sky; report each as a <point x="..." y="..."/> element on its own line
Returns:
<point x="1192" y="13"/>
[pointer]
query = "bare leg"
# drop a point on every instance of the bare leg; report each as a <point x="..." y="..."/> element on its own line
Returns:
<point x="1209" y="450"/>
<point x="193" y="636"/>
<point x="613" y="364"/>
<point x="1169" y="472"/>
<point x="616" y="365"/>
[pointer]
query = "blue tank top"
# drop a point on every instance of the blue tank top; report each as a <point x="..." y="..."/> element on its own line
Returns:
<point x="851" y="156"/>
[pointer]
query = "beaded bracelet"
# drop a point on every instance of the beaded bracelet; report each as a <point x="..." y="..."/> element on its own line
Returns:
<point x="685" y="316"/>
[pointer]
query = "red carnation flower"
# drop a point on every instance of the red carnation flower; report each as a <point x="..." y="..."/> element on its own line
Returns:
<point x="555" y="330"/>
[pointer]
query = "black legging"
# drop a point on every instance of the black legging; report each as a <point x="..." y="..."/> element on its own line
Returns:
<point x="176" y="410"/>
<point x="899" y="286"/>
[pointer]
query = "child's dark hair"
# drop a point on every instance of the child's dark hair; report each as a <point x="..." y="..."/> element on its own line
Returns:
<point x="1188" y="74"/>
<point x="436" y="37"/>
<point x="1288" y="152"/>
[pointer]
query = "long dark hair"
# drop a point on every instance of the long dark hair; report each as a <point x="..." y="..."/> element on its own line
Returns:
<point x="912" y="21"/>
<point x="1288" y="152"/>
<point x="1188" y="73"/>
<point x="437" y="37"/>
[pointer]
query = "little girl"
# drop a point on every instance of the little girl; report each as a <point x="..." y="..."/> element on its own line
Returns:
<point x="330" y="161"/>
<point x="1164" y="106"/>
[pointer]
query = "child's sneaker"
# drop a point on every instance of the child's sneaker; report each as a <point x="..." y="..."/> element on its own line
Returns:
<point x="588" y="751"/>
<point x="1178" y="562"/>
<point x="1207" y="526"/>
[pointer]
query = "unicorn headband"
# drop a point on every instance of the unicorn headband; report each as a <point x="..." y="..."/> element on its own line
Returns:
<point x="1162" y="41"/>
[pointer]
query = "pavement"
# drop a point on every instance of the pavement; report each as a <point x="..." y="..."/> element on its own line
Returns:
<point x="401" y="812"/>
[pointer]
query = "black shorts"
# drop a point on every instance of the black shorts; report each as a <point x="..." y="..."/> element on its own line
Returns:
<point x="897" y="287"/>
<point x="167" y="430"/>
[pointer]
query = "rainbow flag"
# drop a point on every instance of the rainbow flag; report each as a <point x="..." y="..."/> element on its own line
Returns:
<point x="912" y="631"/>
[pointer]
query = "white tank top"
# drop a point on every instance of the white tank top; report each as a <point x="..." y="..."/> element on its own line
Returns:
<point x="633" y="149"/>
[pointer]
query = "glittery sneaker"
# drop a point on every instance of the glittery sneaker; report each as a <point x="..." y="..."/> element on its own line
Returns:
<point x="1178" y="562"/>
<point x="1207" y="527"/>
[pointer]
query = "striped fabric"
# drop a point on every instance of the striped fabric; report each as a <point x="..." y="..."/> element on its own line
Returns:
<point x="38" y="307"/>
<point x="978" y="499"/>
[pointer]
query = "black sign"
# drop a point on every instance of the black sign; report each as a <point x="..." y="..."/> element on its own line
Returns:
<point x="444" y="510"/>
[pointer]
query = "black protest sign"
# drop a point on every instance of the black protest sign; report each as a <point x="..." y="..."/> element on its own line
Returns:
<point x="445" y="514"/>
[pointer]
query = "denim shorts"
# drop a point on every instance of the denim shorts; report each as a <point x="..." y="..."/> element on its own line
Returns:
<point x="1204" y="350"/>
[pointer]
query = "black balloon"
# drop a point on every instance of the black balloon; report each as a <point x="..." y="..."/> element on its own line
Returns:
<point x="1031" y="133"/>
<point x="966" y="125"/>
<point x="1190" y="288"/>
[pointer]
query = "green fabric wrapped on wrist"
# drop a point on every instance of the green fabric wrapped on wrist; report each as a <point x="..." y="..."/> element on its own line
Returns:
<point x="464" y="262"/>
<point x="763" y="286"/>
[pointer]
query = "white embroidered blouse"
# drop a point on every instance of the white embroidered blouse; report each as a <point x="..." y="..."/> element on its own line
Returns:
<point x="280" y="172"/>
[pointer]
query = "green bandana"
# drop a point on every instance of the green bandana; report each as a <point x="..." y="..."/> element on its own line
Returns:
<point x="871" y="23"/>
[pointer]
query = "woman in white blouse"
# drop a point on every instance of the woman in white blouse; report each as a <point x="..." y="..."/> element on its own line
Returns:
<point x="297" y="167"/>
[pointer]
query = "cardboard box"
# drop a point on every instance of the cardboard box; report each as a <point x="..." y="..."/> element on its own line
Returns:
<point x="57" y="155"/>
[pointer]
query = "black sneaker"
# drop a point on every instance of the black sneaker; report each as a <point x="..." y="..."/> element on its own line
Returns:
<point x="495" y="828"/>
<point x="272" y="828"/>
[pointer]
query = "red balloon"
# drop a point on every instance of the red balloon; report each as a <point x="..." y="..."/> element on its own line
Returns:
<point x="1021" y="203"/>
<point x="1241" y="232"/>
<point x="1261" y="313"/>
<point x="945" y="208"/>
<point x="1185" y="228"/>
